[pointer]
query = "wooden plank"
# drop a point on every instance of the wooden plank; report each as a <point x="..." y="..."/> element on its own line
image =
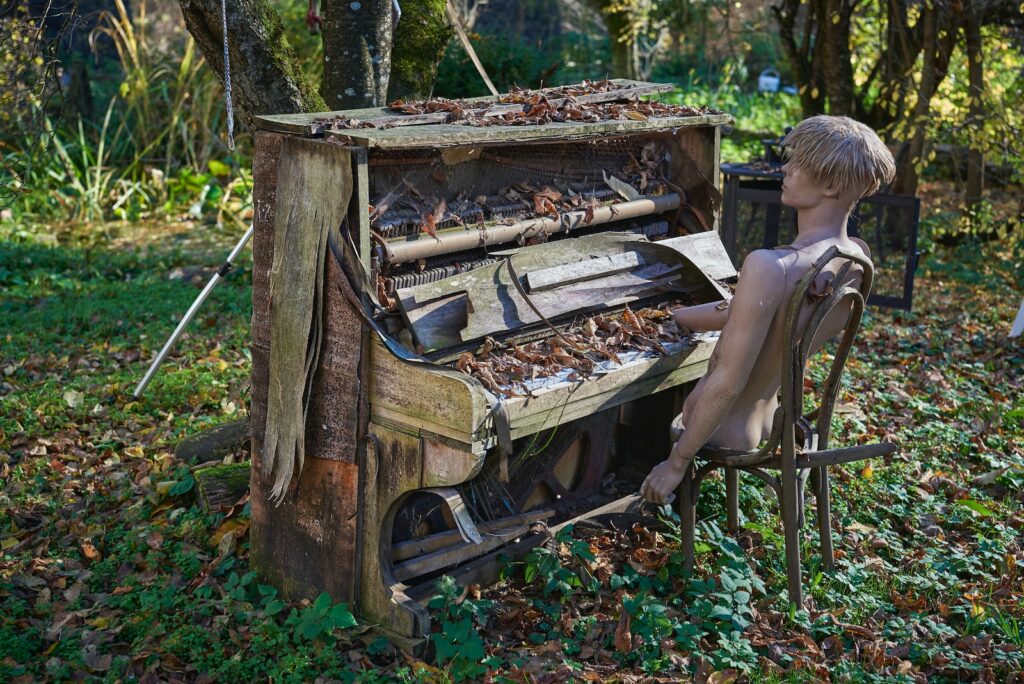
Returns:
<point x="414" y="547"/>
<point x="391" y="467"/>
<point x="419" y="398"/>
<point x="567" y="274"/>
<point x="303" y="124"/>
<point x="361" y="171"/>
<point x="500" y="311"/>
<point x="437" y="323"/>
<point x="455" y="555"/>
<point x="447" y="135"/>
<point x="314" y="188"/>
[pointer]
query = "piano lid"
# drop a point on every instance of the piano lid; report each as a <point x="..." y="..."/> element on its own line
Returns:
<point x="386" y="128"/>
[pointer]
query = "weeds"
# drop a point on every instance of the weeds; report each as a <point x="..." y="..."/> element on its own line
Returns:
<point x="154" y="153"/>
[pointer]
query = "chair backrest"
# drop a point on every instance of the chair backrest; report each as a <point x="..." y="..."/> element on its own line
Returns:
<point x="810" y="321"/>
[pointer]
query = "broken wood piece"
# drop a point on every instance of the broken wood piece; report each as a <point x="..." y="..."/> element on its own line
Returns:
<point x="445" y="318"/>
<point x="496" y="314"/>
<point x="706" y="251"/>
<point x="405" y="550"/>
<point x="214" y="443"/>
<point x="221" y="486"/>
<point x="457" y="554"/>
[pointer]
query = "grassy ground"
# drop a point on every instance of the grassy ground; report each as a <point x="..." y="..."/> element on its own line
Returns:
<point x="108" y="573"/>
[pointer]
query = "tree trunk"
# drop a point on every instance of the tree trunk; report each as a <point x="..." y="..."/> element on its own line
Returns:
<point x="896" y="62"/>
<point x="357" y="53"/>
<point x="421" y="38"/>
<point x="939" y="37"/>
<point x="838" y="63"/>
<point x="976" y="111"/>
<point x="804" y="51"/>
<point x="624" y="47"/>
<point x="265" y="75"/>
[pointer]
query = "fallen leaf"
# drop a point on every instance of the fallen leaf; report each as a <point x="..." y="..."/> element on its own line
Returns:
<point x="623" y="635"/>
<point x="723" y="677"/>
<point x="90" y="551"/>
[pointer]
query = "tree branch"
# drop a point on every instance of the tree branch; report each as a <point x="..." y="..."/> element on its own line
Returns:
<point x="265" y="73"/>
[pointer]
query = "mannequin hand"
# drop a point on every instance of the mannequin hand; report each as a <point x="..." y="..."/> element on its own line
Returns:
<point x="664" y="479"/>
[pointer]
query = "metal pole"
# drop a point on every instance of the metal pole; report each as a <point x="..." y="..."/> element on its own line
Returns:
<point x="187" y="318"/>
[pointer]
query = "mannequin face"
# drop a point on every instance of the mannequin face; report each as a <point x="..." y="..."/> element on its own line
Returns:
<point x="800" y="191"/>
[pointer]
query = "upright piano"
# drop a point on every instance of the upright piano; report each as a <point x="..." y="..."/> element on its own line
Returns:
<point x="484" y="344"/>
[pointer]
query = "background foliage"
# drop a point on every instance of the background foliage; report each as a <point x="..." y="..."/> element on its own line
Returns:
<point x="129" y="125"/>
<point x="116" y="181"/>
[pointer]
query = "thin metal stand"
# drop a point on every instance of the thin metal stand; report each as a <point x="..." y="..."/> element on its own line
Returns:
<point x="187" y="318"/>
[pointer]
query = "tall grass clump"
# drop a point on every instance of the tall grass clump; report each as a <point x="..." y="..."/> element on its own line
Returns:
<point x="154" y="152"/>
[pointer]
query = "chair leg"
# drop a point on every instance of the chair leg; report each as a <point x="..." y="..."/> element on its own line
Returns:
<point x="790" y="519"/>
<point x="687" y="495"/>
<point x="821" y="493"/>
<point x="799" y="501"/>
<point x="732" y="499"/>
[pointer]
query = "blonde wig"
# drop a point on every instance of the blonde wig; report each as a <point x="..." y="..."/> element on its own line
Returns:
<point x="840" y="154"/>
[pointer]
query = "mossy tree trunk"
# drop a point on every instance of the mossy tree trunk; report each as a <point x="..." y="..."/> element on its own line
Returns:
<point x="357" y="52"/>
<point x="265" y="75"/>
<point x="620" y="22"/>
<point x="421" y="38"/>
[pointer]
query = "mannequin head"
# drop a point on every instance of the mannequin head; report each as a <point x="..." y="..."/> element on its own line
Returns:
<point x="833" y="159"/>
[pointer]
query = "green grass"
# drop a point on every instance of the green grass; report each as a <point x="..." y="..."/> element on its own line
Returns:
<point x="108" y="572"/>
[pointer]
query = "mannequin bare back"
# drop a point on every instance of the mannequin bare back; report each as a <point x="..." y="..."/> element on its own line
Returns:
<point x="834" y="162"/>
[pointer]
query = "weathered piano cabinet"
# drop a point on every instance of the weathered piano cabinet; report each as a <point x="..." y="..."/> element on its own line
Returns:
<point x="381" y="430"/>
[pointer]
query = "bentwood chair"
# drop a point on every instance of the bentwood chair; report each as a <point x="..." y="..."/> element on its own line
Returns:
<point x="798" y="444"/>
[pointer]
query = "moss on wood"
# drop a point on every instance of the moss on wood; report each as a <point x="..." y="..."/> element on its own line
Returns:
<point x="421" y="38"/>
<point x="221" y="486"/>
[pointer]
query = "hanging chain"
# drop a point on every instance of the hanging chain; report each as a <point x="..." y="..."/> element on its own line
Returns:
<point x="227" y="76"/>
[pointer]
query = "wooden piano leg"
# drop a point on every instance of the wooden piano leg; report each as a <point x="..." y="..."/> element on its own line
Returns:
<point x="732" y="497"/>
<point x="687" y="494"/>
<point x="391" y="467"/>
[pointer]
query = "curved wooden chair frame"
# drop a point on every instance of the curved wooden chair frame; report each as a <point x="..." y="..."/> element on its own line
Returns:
<point x="798" y="444"/>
